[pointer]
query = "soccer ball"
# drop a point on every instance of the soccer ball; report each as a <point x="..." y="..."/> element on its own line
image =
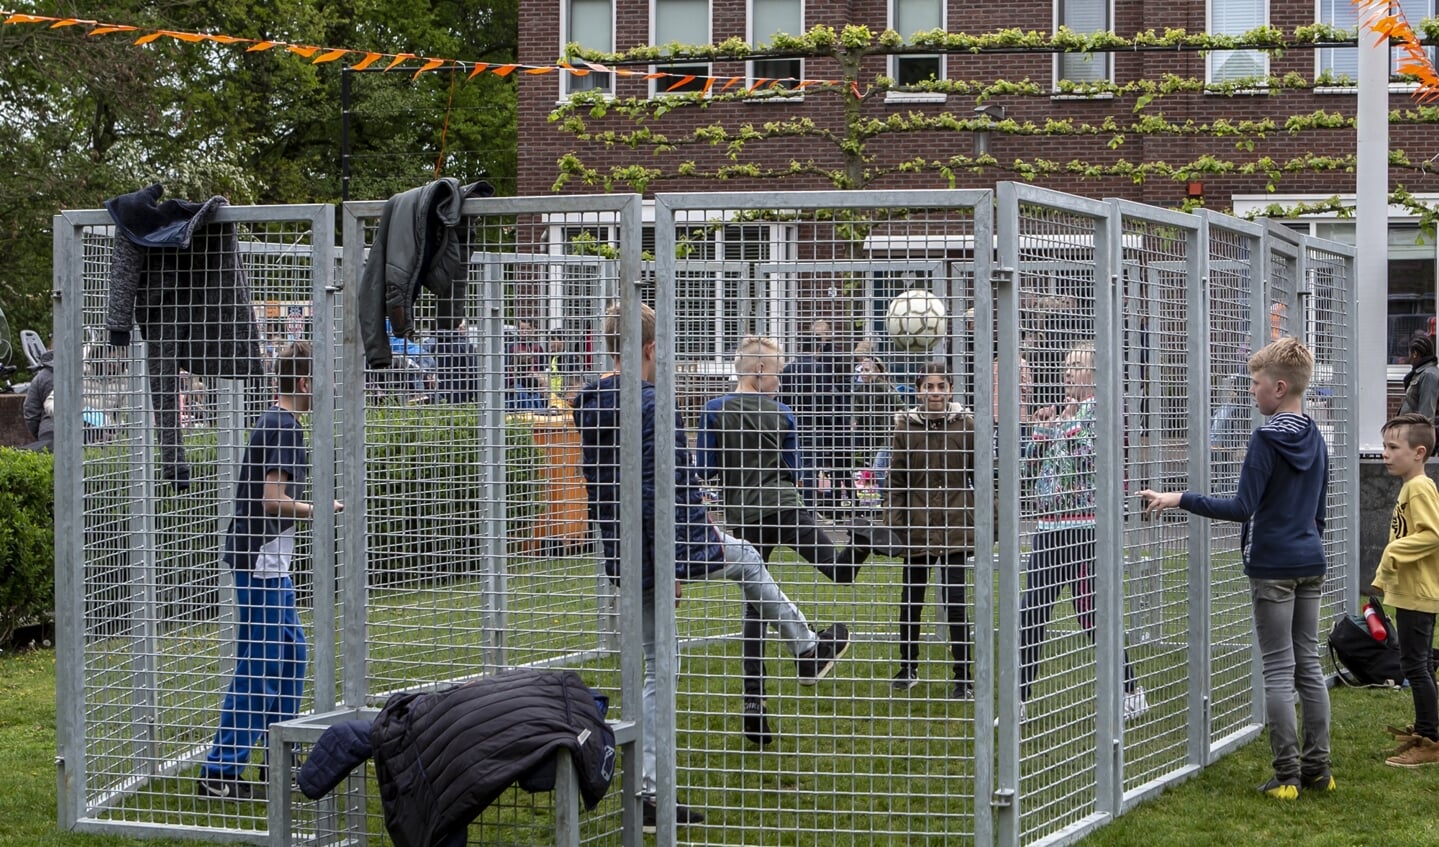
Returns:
<point x="916" y="320"/>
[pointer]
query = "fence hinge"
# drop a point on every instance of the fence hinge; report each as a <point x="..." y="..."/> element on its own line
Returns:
<point x="1002" y="274"/>
<point x="1002" y="798"/>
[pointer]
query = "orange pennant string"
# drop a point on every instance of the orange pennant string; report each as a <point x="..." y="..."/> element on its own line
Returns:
<point x="21" y="18"/>
<point x="329" y="56"/>
<point x="302" y="50"/>
<point x="64" y="22"/>
<point x="370" y="59"/>
<point x="430" y="64"/>
<point x="479" y="69"/>
<point x="187" y="37"/>
<point x="538" y="71"/>
<point x="733" y="81"/>
<point x="709" y="83"/>
<point x="261" y="46"/>
<point x="755" y="86"/>
<point x="504" y="70"/>
<point x="225" y="39"/>
<point x="684" y="80"/>
<point x="399" y="59"/>
<point x="147" y="38"/>
<point x="109" y="28"/>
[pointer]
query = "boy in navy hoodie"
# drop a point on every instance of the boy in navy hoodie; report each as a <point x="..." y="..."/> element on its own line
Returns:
<point x="697" y="551"/>
<point x="1282" y="489"/>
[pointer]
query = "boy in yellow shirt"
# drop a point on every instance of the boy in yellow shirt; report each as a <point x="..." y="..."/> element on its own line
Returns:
<point x="1408" y="577"/>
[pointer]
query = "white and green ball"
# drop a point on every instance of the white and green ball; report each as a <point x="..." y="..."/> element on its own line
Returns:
<point x="916" y="320"/>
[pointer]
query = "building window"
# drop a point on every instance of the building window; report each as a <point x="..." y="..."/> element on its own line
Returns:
<point x="591" y="24"/>
<point x="1341" y="62"/>
<point x="1236" y="17"/>
<point x="1084" y="17"/>
<point x="681" y="22"/>
<point x="908" y="17"/>
<point x="766" y="18"/>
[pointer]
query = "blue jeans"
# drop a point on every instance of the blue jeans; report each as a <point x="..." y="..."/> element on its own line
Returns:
<point x="270" y="657"/>
<point x="1286" y="624"/>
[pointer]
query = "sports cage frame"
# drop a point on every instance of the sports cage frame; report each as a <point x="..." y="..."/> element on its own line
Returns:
<point x="1106" y="656"/>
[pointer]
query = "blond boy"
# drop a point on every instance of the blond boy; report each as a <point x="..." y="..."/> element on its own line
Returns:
<point x="1282" y="488"/>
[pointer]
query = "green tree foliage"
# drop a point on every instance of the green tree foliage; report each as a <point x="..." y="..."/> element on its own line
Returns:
<point x="86" y="118"/>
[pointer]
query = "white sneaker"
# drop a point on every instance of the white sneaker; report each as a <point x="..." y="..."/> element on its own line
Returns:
<point x="1135" y="704"/>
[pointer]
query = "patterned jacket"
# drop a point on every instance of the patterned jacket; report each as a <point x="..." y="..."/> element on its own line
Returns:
<point x="1061" y="462"/>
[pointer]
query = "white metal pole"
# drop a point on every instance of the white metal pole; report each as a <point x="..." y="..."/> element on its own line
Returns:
<point x="1371" y="231"/>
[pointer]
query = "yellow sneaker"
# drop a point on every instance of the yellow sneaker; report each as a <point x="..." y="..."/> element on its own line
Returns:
<point x="1281" y="789"/>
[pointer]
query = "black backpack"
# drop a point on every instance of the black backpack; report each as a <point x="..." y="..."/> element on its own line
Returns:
<point x="1361" y="661"/>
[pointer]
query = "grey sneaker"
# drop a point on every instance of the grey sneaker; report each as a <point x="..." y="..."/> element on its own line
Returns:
<point x="816" y="665"/>
<point x="219" y="788"/>
<point x="961" y="691"/>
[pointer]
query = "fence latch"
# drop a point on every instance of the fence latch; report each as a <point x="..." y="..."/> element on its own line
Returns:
<point x="1002" y="798"/>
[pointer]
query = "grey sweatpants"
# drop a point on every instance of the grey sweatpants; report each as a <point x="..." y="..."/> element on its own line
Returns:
<point x="1286" y="625"/>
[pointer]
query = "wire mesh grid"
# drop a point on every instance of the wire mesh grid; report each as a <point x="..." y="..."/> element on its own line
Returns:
<point x="1234" y="279"/>
<point x="790" y="397"/>
<point x="1060" y="457"/>
<point x="1157" y="313"/>
<point x="159" y="637"/>
<point x="468" y="547"/>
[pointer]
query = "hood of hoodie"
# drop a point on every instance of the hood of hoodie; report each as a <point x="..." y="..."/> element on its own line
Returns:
<point x="917" y="416"/>
<point x="1295" y="438"/>
<point x="598" y="404"/>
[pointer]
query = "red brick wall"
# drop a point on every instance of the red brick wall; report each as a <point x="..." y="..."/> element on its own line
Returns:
<point x="542" y="142"/>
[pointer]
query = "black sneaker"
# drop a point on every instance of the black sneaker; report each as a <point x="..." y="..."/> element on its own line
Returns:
<point x="1281" y="789"/>
<point x="816" y="665"/>
<point x="684" y="815"/>
<point x="906" y="679"/>
<point x="961" y="691"/>
<point x="756" y="722"/>
<point x="1322" y="783"/>
<point x="218" y="788"/>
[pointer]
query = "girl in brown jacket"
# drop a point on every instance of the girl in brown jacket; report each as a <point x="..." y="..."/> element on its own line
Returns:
<point x="930" y="504"/>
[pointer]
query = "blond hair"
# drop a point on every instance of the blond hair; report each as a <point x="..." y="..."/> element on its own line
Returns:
<point x="752" y="349"/>
<point x="614" y="332"/>
<point x="1286" y="359"/>
<point x="1083" y="349"/>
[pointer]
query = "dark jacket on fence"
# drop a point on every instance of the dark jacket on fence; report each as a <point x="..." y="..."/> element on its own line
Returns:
<point x="695" y="547"/>
<point x="179" y="277"/>
<point x="419" y="243"/>
<point x="442" y="758"/>
<point x="930" y="494"/>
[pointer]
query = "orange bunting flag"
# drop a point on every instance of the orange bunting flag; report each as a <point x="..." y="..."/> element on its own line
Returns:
<point x="1395" y="25"/>
<point x="1385" y="18"/>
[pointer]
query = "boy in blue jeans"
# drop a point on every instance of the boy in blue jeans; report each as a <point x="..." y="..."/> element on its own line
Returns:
<point x="698" y="550"/>
<point x="270" y="652"/>
<point x="1408" y="579"/>
<point x="1282" y="488"/>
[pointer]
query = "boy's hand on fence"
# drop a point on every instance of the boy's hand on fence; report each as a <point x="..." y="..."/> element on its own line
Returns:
<point x="1155" y="502"/>
<point x="339" y="507"/>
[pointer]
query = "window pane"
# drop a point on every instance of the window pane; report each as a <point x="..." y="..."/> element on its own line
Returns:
<point x="682" y="21"/>
<point x="912" y="69"/>
<point x="911" y="16"/>
<point x="1236" y="17"/>
<point x="772" y="16"/>
<point x="592" y="24"/>
<point x="786" y="69"/>
<point x="1340" y="61"/>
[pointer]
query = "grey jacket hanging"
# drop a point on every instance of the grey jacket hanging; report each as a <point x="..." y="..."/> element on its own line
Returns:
<point x="179" y="277"/>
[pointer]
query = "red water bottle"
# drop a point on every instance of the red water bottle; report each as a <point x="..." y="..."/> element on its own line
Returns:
<point x="1376" y="626"/>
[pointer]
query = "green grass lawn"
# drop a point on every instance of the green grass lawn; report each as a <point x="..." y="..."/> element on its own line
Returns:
<point x="1375" y="804"/>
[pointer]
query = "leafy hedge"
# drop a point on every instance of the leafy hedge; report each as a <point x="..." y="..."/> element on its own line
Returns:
<point x="27" y="539"/>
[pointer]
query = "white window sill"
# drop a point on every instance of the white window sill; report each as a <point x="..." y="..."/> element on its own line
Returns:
<point x="1100" y="95"/>
<point x="915" y="97"/>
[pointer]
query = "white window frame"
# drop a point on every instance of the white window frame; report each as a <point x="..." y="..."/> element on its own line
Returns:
<point x="1106" y="58"/>
<point x="1217" y="57"/>
<point x="1396" y="84"/>
<point x="755" y="38"/>
<point x="894" y="61"/>
<point x="701" y="70"/>
<point x="569" y="81"/>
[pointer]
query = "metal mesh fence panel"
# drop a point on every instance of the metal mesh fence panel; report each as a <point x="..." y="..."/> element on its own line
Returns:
<point x="1234" y="280"/>
<point x="803" y="393"/>
<point x="1157" y="267"/>
<point x="169" y="348"/>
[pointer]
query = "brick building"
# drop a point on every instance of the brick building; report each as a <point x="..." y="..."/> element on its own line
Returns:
<point x="617" y="25"/>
